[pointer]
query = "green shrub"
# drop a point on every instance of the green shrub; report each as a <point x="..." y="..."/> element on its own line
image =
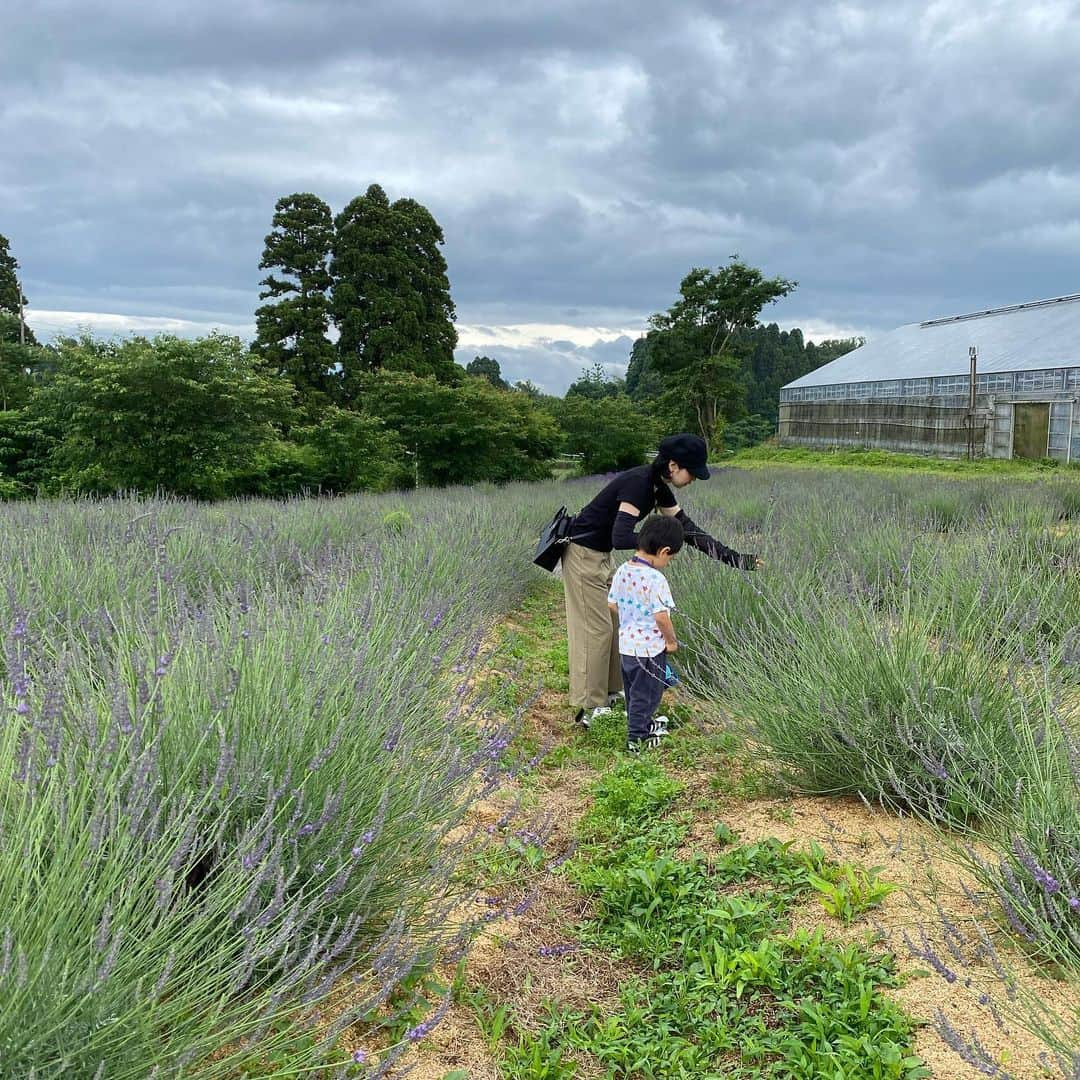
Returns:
<point x="397" y="521"/>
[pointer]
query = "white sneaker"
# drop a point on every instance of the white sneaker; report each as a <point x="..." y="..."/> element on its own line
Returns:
<point x="585" y="717"/>
<point x="659" y="726"/>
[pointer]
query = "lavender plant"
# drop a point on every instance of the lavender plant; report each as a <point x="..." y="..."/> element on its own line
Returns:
<point x="234" y="742"/>
<point x="909" y="641"/>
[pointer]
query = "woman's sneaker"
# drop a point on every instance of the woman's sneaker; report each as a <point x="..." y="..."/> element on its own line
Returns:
<point x="585" y="717"/>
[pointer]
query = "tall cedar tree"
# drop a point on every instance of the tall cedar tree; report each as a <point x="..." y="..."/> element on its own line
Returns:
<point x="12" y="298"/>
<point x="391" y="300"/>
<point x="291" y="333"/>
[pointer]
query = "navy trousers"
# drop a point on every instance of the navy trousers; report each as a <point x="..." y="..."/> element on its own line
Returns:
<point x="643" y="683"/>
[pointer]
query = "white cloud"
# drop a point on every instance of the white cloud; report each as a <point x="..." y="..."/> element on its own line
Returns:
<point x="527" y="335"/>
<point x="817" y="330"/>
<point x="46" y="324"/>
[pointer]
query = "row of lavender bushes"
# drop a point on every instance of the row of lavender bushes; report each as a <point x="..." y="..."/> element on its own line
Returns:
<point x="917" y="641"/>
<point x="234" y="743"/>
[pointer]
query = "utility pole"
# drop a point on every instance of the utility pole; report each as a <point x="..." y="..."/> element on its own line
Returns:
<point x="973" y="356"/>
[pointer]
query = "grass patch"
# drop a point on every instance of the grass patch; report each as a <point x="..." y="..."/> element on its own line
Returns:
<point x="890" y="461"/>
<point x="717" y="983"/>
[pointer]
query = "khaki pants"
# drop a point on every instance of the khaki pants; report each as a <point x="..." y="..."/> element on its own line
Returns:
<point x="592" y="628"/>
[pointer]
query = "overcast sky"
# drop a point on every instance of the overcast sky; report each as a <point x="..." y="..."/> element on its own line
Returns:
<point x="900" y="160"/>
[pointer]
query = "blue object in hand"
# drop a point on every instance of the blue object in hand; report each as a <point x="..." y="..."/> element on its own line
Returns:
<point x="671" y="676"/>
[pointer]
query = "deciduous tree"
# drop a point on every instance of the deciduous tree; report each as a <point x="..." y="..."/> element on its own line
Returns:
<point x="596" y="384"/>
<point x="464" y="434"/>
<point x="609" y="433"/>
<point x="692" y="341"/>
<point x="182" y="416"/>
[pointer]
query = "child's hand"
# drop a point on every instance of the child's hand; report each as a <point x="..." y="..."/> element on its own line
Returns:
<point x="671" y="646"/>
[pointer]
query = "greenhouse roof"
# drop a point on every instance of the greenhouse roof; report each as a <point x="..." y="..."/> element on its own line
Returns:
<point x="1024" y="337"/>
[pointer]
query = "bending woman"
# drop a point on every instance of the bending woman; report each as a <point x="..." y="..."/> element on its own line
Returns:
<point x="608" y="523"/>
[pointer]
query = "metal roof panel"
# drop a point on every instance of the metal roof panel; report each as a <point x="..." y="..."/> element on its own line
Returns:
<point x="1023" y="337"/>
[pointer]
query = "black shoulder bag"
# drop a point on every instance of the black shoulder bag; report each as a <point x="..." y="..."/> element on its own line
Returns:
<point x="553" y="540"/>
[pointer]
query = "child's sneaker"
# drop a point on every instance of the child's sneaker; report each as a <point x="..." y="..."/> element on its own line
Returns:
<point x="635" y="746"/>
<point x="659" y="726"/>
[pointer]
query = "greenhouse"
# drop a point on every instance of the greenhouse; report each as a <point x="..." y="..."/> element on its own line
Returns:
<point x="910" y="389"/>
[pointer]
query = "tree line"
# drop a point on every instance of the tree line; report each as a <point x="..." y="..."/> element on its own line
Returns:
<point x="351" y="382"/>
<point x="705" y="365"/>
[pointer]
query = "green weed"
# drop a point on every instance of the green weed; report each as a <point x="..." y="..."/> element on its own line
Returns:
<point x="849" y="891"/>
<point x="723" y="989"/>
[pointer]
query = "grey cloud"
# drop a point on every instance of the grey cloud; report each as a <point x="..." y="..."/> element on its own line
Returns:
<point x="898" y="161"/>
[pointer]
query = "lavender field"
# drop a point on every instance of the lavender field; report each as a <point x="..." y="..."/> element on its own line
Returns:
<point x="240" y="740"/>
<point x="234" y="740"/>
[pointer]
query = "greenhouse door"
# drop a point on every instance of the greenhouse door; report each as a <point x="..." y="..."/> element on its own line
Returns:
<point x="1031" y="429"/>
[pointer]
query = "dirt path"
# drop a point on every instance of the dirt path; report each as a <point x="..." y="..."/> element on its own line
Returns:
<point x="530" y="956"/>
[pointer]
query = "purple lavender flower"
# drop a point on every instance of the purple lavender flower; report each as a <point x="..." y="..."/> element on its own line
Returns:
<point x="422" y="1030"/>
<point x="1049" y="883"/>
<point x="362" y="843"/>
<point x="555" y="950"/>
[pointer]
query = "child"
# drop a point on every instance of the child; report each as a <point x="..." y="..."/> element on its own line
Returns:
<point x="640" y="595"/>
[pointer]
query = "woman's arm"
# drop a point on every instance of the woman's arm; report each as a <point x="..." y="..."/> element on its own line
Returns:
<point x="623" y="537"/>
<point x="697" y="537"/>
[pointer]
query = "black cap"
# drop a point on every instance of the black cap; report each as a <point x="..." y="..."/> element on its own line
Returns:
<point x="689" y="451"/>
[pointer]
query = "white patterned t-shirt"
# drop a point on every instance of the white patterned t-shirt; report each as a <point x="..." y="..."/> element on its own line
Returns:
<point x="640" y="591"/>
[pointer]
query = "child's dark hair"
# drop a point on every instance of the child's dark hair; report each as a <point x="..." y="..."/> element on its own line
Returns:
<point x="660" y="531"/>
